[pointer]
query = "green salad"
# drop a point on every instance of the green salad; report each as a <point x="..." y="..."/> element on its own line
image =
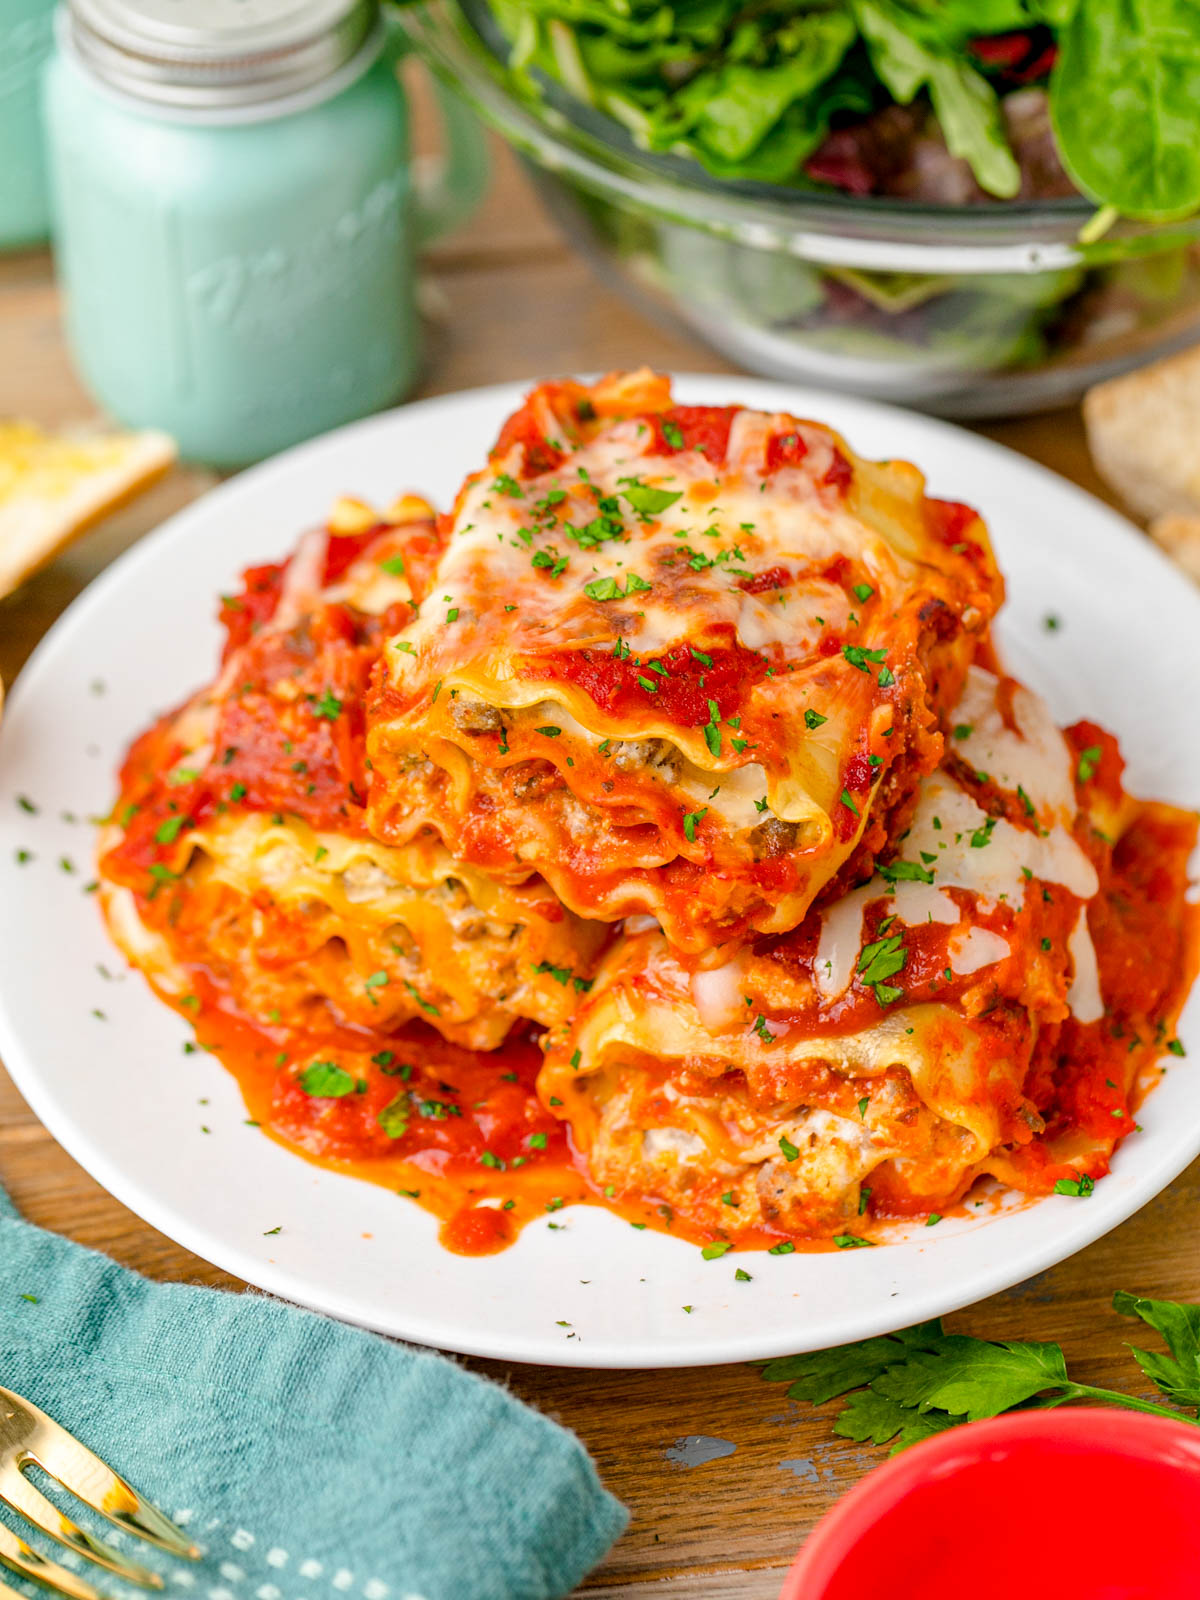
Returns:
<point x="955" y="101"/>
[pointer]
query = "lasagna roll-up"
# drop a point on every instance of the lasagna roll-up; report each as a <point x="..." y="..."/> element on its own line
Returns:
<point x="238" y="857"/>
<point x="684" y="661"/>
<point x="953" y="1016"/>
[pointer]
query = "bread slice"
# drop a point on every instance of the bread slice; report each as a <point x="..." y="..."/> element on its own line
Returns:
<point x="1180" y="538"/>
<point x="53" y="486"/>
<point x="1144" y="433"/>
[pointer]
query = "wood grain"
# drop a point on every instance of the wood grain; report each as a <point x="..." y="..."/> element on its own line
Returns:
<point x="506" y="300"/>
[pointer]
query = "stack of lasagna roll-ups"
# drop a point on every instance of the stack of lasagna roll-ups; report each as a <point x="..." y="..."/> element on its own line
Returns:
<point x="680" y="748"/>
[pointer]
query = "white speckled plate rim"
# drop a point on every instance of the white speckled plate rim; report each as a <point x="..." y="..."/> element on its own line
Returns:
<point x="165" y="1131"/>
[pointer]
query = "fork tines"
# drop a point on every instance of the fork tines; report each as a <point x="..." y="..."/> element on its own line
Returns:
<point x="28" y="1437"/>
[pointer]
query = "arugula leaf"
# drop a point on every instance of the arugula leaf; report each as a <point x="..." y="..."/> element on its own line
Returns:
<point x="1178" y="1376"/>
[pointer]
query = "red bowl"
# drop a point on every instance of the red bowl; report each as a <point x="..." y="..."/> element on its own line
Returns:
<point x="1041" y="1505"/>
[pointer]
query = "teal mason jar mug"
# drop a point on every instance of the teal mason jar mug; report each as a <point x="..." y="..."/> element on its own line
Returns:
<point x="237" y="211"/>
<point x="25" y="36"/>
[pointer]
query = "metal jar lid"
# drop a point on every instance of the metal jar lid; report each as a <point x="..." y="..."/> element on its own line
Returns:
<point x="221" y="56"/>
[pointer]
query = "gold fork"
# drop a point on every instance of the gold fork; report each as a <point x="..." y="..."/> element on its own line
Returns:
<point x="28" y="1437"/>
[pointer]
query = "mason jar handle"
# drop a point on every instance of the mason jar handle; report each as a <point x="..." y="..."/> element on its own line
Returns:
<point x="446" y="187"/>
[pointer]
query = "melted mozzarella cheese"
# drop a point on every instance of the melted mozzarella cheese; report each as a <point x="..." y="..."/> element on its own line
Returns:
<point x="717" y="994"/>
<point x="1034" y="757"/>
<point x="972" y="949"/>
<point x="992" y="859"/>
<point x="841" y="939"/>
<point x="1084" y="997"/>
<point x="963" y="848"/>
<point x="721" y="514"/>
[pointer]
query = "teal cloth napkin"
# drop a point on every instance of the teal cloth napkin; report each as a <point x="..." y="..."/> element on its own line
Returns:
<point x="310" y="1460"/>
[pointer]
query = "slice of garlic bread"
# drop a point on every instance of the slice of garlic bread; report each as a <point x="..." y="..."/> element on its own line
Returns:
<point x="53" y="486"/>
<point x="1144" y="434"/>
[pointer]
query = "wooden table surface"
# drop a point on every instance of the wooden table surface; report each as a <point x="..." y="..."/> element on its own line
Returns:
<point x="507" y="300"/>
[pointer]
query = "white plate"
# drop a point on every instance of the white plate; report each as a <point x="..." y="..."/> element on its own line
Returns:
<point x="130" y="1106"/>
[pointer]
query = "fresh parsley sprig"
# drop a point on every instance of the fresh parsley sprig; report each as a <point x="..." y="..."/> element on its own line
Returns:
<point x="905" y="1386"/>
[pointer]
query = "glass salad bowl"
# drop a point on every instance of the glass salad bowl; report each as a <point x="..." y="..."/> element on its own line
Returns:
<point x="966" y="311"/>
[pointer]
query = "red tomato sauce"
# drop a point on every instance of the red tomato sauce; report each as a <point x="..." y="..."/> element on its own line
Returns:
<point x="464" y="1135"/>
<point x="692" y="675"/>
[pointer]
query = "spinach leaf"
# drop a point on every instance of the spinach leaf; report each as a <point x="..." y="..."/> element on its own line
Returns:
<point x="1125" y="102"/>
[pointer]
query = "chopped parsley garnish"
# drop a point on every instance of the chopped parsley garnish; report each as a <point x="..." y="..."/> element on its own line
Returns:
<point x="546" y="558"/>
<point x="672" y="435"/>
<point x="761" y="1029"/>
<point x="393" y="565"/>
<point x="690" y="821"/>
<point x="509" y="486"/>
<point x="393" y="1119"/>
<point x="325" y="1080"/>
<point x="912" y="871"/>
<point x="814" y="719"/>
<point x="712" y="729"/>
<point x="741" y="1276"/>
<point x="647" y="502"/>
<point x="848" y="802"/>
<point x="1089" y="760"/>
<point x="983" y="835"/>
<point x="879" y="961"/>
<point x="425" y="1005"/>
<point x="858" y="657"/>
<point x="790" y="1151"/>
<point x="438" y="1110"/>
<point x="785" y="1247"/>
<point x="850" y="1241"/>
<point x="715" y="1250"/>
<point x="610" y="589"/>
<point x="167" y="832"/>
<point x="406" y="645"/>
<point x="862" y="592"/>
<point x="328" y="706"/>
<point x="1175" y="1046"/>
<point x="550" y="731"/>
<point x="963" y="730"/>
<point x="27" y="805"/>
<point x="559" y="974"/>
<point x="1081" y="1186"/>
